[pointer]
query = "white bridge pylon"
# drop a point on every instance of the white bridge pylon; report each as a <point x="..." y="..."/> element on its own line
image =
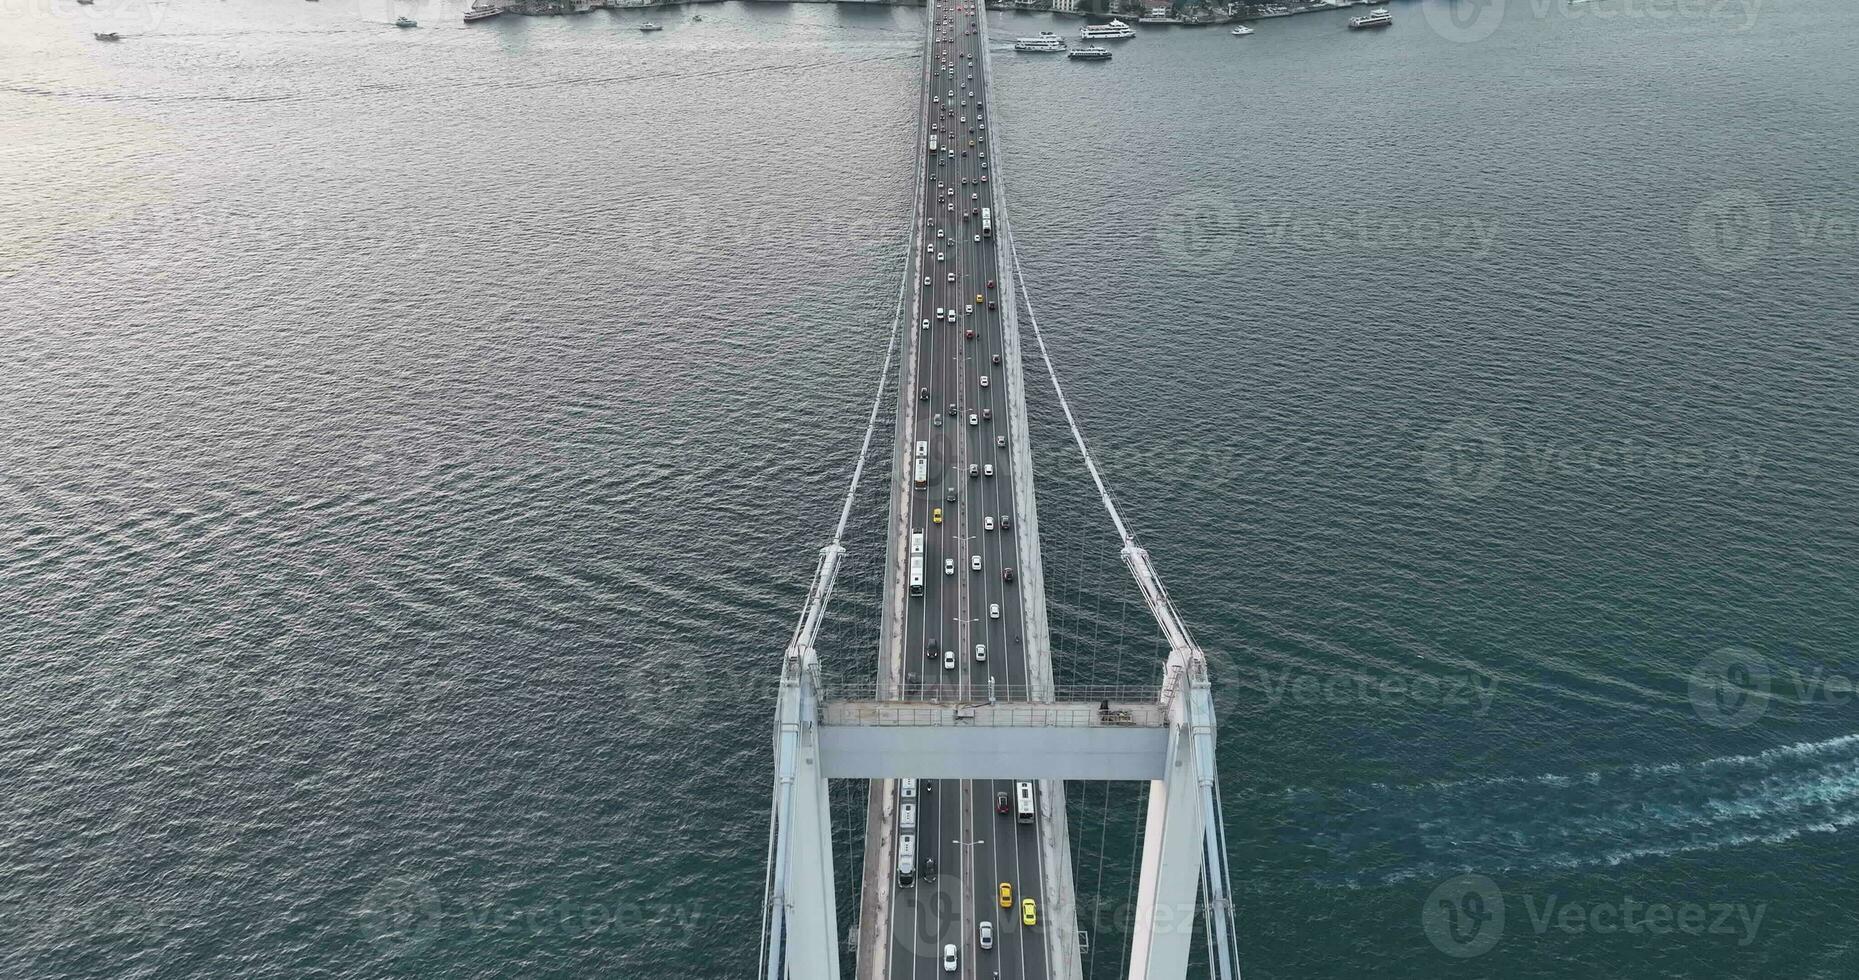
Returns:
<point x="1167" y="740"/>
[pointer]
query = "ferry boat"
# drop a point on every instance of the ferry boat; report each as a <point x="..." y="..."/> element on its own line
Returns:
<point x="648" y="27"/>
<point x="405" y="22"/>
<point x="1092" y="53"/>
<point x="1379" y="17"/>
<point x="1242" y="30"/>
<point x="482" y="13"/>
<point x="1046" y="41"/>
<point x="1116" y="30"/>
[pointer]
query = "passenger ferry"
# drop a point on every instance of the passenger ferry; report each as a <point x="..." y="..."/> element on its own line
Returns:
<point x="1046" y="41"/>
<point x="482" y="13"/>
<point x="1116" y="30"/>
<point x="1379" y="17"/>
<point x="1092" y="53"/>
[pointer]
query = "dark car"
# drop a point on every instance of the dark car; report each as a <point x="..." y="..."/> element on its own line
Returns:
<point x="1000" y="803"/>
<point x="950" y="496"/>
<point x="987" y="415"/>
<point x="1007" y="574"/>
<point x="924" y="393"/>
<point x="929" y="869"/>
<point x="997" y="360"/>
<point x="951" y="409"/>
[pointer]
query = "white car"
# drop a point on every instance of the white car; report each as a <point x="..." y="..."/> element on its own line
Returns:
<point x="986" y="933"/>
<point x="948" y="958"/>
<point x="951" y="277"/>
<point x="926" y="280"/>
<point x="981" y="653"/>
<point x="977" y="239"/>
<point x="948" y="566"/>
<point x="988" y="470"/>
<point x="994" y="610"/>
<point x="948" y="660"/>
<point x="984" y="378"/>
<point x="974" y="197"/>
<point x="1000" y="441"/>
<point x="938" y="312"/>
<point x="969" y="308"/>
<point x="941" y="257"/>
<point x="972" y="420"/>
<point x="987" y="523"/>
<point x="974" y="563"/>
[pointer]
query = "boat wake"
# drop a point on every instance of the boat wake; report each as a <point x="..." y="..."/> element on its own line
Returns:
<point x="1382" y="834"/>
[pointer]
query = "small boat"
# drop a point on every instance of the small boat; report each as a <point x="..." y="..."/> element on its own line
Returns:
<point x="697" y="19"/>
<point x="1242" y="30"/>
<point x="648" y="27"/>
<point x="405" y="22"/>
<point x="482" y="13"/>
<point x="110" y="36"/>
<point x="1379" y="17"/>
<point x="1092" y="53"/>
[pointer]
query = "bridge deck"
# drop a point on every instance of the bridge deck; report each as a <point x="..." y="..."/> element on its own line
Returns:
<point x="962" y="399"/>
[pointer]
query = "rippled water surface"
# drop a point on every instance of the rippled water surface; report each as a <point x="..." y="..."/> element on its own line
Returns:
<point x="414" y="446"/>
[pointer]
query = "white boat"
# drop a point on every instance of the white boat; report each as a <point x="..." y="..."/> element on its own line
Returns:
<point x="1090" y="53"/>
<point x="482" y="13"/>
<point x="1242" y="30"/>
<point x="648" y="26"/>
<point x="1116" y="30"/>
<point x="405" y="22"/>
<point x="1379" y="17"/>
<point x="1046" y="41"/>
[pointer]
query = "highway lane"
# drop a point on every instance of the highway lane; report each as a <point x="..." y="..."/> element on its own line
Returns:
<point x="973" y="848"/>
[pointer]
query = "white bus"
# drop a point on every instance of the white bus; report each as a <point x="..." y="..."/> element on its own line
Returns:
<point x="916" y="575"/>
<point x="922" y="472"/>
<point x="987" y="223"/>
<point x="906" y="860"/>
<point x="1023" y="793"/>
<point x="916" y="542"/>
<point x="922" y="449"/>
<point x="932" y="144"/>
<point x="907" y="817"/>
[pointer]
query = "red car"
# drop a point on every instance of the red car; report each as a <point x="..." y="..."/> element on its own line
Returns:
<point x="990" y="284"/>
<point x="1000" y="803"/>
<point x="969" y="333"/>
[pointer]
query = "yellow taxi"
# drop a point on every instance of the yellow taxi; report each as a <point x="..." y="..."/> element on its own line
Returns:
<point x="936" y="516"/>
<point x="1028" y="917"/>
<point x="977" y="297"/>
<point x="1006" y="895"/>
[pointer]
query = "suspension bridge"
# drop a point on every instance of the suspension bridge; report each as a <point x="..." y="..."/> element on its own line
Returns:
<point x="963" y="738"/>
